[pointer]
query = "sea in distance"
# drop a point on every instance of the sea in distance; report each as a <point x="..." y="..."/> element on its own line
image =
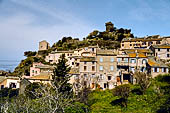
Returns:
<point x="8" y="65"/>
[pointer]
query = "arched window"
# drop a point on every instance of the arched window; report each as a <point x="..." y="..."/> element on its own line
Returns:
<point x="144" y="61"/>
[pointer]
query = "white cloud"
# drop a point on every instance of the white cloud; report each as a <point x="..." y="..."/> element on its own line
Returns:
<point x="18" y="32"/>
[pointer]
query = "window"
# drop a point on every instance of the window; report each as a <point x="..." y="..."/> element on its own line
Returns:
<point x="164" y="70"/>
<point x="101" y="59"/>
<point x="85" y="68"/>
<point x="168" y="50"/>
<point x="93" y="62"/>
<point x="93" y="68"/>
<point x="130" y="44"/>
<point x="32" y="71"/>
<point x="156" y="69"/>
<point x="159" y="49"/>
<point x="101" y="68"/>
<point x="105" y="85"/>
<point x="167" y="55"/>
<point x="77" y="64"/>
<point x="85" y="75"/>
<point x="133" y="61"/>
<point x="85" y="62"/>
<point x="144" y="43"/>
<point x="92" y="49"/>
<point x="12" y="85"/>
<point x="126" y="59"/>
<point x="72" y="63"/>
<point x="2" y="86"/>
<point x="144" y="61"/>
<point x="101" y="77"/>
<point x="118" y="59"/>
<point x="35" y="72"/>
<point x="85" y="83"/>
<point x="112" y="60"/>
<point x="122" y="45"/>
<point x="93" y="75"/>
<point x="111" y="68"/>
<point x="158" y="42"/>
<point x="109" y="77"/>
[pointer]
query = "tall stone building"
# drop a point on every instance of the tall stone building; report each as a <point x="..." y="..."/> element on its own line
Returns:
<point x="109" y="26"/>
<point x="44" y="45"/>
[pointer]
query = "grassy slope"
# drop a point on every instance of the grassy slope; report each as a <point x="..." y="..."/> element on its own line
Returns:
<point x="156" y="99"/>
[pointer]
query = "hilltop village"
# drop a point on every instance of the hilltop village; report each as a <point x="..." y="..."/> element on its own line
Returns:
<point x="102" y="60"/>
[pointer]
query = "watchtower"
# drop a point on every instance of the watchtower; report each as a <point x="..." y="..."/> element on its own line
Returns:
<point x="44" y="45"/>
<point x="109" y="26"/>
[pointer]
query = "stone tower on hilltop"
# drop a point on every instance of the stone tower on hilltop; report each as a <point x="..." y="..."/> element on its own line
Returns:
<point x="109" y="26"/>
<point x="44" y="45"/>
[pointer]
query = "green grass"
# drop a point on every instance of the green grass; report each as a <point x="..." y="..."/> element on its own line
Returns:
<point x="155" y="99"/>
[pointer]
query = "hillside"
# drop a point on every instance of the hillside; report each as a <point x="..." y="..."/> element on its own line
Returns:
<point x="110" y="39"/>
<point x="156" y="99"/>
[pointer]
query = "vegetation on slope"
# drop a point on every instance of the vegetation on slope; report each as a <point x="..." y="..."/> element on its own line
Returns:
<point x="24" y="67"/>
<point x="155" y="99"/>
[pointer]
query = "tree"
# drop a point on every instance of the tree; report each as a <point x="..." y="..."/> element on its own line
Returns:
<point x="143" y="80"/>
<point x="61" y="76"/>
<point x="31" y="89"/>
<point x="30" y="53"/>
<point x="123" y="92"/>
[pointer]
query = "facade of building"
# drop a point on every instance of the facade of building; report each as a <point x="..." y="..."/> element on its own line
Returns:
<point x="132" y="43"/>
<point x="10" y="82"/>
<point x="106" y="69"/>
<point x="161" y="51"/>
<point x="130" y="62"/>
<point x="156" y="68"/>
<point x="39" y="68"/>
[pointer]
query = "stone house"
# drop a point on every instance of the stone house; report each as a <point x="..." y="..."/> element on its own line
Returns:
<point x="10" y="82"/>
<point x="39" y="68"/>
<point x="156" y="67"/>
<point x="129" y="62"/>
<point x="161" y="51"/>
<point x="132" y="43"/>
<point x="106" y="68"/>
<point x="87" y="71"/>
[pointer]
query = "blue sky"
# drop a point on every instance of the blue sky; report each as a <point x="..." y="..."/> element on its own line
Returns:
<point x="23" y="23"/>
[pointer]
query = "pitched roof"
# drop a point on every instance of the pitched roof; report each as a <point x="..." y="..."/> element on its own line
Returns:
<point x="42" y="76"/>
<point x="87" y="59"/>
<point x="153" y="63"/>
<point x="105" y="52"/>
<point x="137" y="55"/>
<point x="165" y="46"/>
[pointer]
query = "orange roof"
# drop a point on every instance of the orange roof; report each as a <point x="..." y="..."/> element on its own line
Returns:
<point x="140" y="55"/>
<point x="153" y="63"/>
<point x="132" y="54"/>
